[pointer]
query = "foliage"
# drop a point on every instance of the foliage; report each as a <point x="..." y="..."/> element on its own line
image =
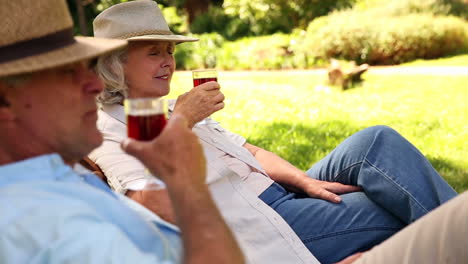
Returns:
<point x="277" y="51"/>
<point x="271" y="16"/>
<point x="386" y="40"/>
<point x="229" y="26"/>
<point x="405" y="7"/>
<point x="200" y="54"/>
<point x="177" y="23"/>
<point x="266" y="52"/>
<point x="291" y="114"/>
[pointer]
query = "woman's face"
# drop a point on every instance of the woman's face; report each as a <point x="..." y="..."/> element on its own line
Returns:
<point x="148" y="68"/>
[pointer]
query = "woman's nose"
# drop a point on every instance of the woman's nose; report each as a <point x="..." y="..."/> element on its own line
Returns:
<point x="168" y="60"/>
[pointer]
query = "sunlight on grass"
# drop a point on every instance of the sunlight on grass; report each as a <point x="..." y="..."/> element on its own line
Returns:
<point x="460" y="60"/>
<point x="292" y="114"/>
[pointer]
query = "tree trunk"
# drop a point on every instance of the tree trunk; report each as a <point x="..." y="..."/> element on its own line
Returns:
<point x="81" y="18"/>
<point x="195" y="8"/>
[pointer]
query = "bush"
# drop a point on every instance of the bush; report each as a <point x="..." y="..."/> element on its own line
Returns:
<point x="200" y="54"/>
<point x="406" y="7"/>
<point x="265" y="17"/>
<point x="385" y="40"/>
<point x="277" y="51"/>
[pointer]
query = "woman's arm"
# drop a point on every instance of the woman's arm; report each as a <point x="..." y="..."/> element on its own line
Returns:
<point x="157" y="201"/>
<point x="122" y="169"/>
<point x="286" y="174"/>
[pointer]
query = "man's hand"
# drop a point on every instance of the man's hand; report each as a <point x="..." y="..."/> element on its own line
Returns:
<point x="325" y="190"/>
<point x="173" y="155"/>
<point x="200" y="102"/>
<point x="176" y="157"/>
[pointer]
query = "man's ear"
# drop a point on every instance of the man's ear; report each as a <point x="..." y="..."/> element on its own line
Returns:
<point x="6" y="113"/>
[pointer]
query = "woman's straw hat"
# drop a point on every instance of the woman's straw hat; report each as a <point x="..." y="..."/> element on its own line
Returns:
<point x="37" y="35"/>
<point x="135" y="21"/>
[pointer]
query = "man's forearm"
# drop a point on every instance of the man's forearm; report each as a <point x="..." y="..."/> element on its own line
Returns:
<point x="207" y="239"/>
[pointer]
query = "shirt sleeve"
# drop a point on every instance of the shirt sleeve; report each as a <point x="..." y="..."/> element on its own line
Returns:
<point x="120" y="168"/>
<point x="78" y="236"/>
<point x="235" y="138"/>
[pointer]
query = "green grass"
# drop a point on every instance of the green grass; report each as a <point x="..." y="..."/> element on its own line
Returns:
<point x="288" y="113"/>
<point x="460" y="60"/>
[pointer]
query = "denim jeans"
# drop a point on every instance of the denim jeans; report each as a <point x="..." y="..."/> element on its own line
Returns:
<point x="399" y="186"/>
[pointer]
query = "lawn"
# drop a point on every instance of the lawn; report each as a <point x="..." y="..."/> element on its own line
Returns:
<point x="294" y="115"/>
<point x="460" y="60"/>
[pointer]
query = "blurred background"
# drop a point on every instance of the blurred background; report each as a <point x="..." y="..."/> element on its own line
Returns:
<point x="274" y="57"/>
<point x="300" y="34"/>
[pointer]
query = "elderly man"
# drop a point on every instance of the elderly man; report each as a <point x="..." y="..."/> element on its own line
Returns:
<point x="50" y="214"/>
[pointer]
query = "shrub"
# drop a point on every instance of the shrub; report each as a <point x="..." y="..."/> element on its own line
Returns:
<point x="271" y="16"/>
<point x="200" y="54"/>
<point x="267" y="52"/>
<point x="385" y="40"/>
<point x="406" y="7"/>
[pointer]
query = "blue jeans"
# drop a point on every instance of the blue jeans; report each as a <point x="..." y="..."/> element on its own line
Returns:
<point x="399" y="186"/>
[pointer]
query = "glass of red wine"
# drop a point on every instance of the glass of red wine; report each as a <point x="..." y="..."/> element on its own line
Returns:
<point x="146" y="118"/>
<point x="203" y="76"/>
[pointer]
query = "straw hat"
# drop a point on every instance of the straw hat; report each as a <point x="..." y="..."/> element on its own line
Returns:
<point x="135" y="21"/>
<point x="37" y="35"/>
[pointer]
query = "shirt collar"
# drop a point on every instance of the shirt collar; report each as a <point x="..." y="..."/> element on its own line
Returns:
<point x="116" y="111"/>
<point x="44" y="167"/>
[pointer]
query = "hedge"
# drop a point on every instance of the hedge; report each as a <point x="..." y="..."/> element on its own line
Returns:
<point x="387" y="40"/>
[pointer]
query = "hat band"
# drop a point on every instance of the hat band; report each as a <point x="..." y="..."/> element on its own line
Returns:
<point x="37" y="46"/>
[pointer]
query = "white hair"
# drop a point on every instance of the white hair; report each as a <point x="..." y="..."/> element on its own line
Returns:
<point x="111" y="71"/>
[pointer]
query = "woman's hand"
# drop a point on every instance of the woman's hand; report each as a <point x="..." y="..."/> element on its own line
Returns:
<point x="324" y="190"/>
<point x="200" y="102"/>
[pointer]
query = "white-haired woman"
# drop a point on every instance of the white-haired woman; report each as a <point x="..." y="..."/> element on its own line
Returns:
<point x="326" y="216"/>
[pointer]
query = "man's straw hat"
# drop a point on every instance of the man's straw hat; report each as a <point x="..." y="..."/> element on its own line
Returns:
<point x="38" y="35"/>
<point x="135" y="21"/>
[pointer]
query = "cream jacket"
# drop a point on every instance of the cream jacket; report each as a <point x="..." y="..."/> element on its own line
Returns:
<point x="262" y="233"/>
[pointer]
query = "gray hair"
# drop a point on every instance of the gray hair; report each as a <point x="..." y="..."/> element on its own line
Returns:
<point x="111" y="71"/>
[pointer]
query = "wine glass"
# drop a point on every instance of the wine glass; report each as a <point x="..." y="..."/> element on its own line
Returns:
<point x="201" y="77"/>
<point x="146" y="118"/>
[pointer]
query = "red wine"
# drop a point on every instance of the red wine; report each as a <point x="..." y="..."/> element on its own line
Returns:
<point x="197" y="82"/>
<point x="145" y="127"/>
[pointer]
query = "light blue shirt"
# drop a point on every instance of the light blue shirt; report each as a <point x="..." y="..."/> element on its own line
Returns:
<point x="50" y="215"/>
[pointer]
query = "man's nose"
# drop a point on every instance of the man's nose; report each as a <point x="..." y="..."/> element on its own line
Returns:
<point x="93" y="84"/>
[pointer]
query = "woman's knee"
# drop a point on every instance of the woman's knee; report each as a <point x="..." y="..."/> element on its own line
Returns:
<point x="381" y="130"/>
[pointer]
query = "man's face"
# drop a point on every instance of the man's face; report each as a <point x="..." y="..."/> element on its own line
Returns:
<point x="55" y="111"/>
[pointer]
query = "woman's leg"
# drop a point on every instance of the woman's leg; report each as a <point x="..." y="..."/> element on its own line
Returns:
<point x="392" y="172"/>
<point x="333" y="231"/>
